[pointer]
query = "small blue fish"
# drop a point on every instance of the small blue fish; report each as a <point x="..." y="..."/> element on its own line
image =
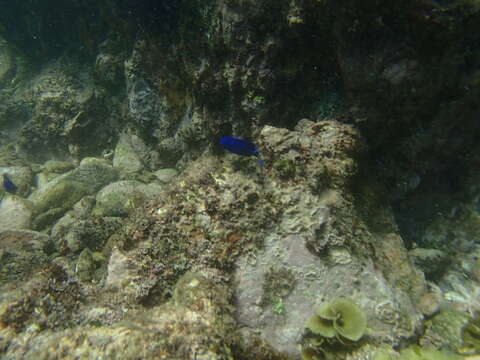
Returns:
<point x="242" y="147"/>
<point x="239" y="146"/>
<point x="8" y="184"/>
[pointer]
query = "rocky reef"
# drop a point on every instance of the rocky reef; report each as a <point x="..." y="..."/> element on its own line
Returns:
<point x="129" y="233"/>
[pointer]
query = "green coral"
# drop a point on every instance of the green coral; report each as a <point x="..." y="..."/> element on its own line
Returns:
<point x="335" y="327"/>
<point x="341" y="317"/>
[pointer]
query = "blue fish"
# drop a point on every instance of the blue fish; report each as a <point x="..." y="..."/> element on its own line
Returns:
<point x="242" y="147"/>
<point x="239" y="146"/>
<point x="8" y="184"/>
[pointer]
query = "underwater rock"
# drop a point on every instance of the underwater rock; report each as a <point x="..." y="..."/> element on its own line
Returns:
<point x="22" y="252"/>
<point x="15" y="213"/>
<point x="202" y="326"/>
<point x="121" y="271"/>
<point x="65" y="190"/>
<point x="7" y="63"/>
<point x="432" y="262"/>
<point x="147" y="108"/>
<point x="48" y="299"/>
<point x="85" y="266"/>
<point x="445" y="329"/>
<point x="109" y="69"/>
<point x="113" y="199"/>
<point x="313" y="238"/>
<point x="127" y="158"/>
<point x="84" y="207"/>
<point x="57" y="167"/>
<point x="58" y="193"/>
<point x="72" y="235"/>
<point x="429" y="304"/>
<point x="45" y="219"/>
<point x="166" y="175"/>
<point x="392" y="254"/>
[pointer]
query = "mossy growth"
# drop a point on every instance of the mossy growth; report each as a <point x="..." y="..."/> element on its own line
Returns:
<point x="310" y="354"/>
<point x="418" y="353"/>
<point x="278" y="283"/>
<point x="285" y="168"/>
<point x="134" y="201"/>
<point x="471" y="336"/>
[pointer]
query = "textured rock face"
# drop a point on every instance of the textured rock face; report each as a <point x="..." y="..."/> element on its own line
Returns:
<point x="313" y="255"/>
<point x="197" y="321"/>
<point x="112" y="200"/>
<point x="21" y="254"/>
<point x="312" y="225"/>
<point x="230" y="245"/>
<point x="127" y="158"/>
<point x="61" y="193"/>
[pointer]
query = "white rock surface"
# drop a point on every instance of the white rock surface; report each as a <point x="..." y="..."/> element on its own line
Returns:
<point x="15" y="213"/>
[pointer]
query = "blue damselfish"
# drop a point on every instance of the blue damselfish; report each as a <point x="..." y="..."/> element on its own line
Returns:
<point x="8" y="184"/>
<point x="239" y="146"/>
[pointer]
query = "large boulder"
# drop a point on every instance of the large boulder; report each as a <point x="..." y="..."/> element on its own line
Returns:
<point x="64" y="191"/>
<point x="15" y="213"/>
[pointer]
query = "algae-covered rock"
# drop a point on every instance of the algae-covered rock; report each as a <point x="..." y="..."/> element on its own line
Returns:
<point x="84" y="207"/>
<point x="73" y="235"/>
<point x="445" y="329"/>
<point x="122" y="272"/>
<point x="95" y="173"/>
<point x="60" y="193"/>
<point x="113" y="199"/>
<point x="122" y="197"/>
<point x="65" y="190"/>
<point x="42" y="221"/>
<point x="48" y="299"/>
<point x="127" y="158"/>
<point x="203" y="325"/>
<point x="416" y="353"/>
<point x="317" y="236"/>
<point x="57" y="167"/>
<point x="85" y="265"/>
<point x="429" y="304"/>
<point x="15" y="213"/>
<point x="471" y="336"/>
<point x="7" y="62"/>
<point x="427" y="353"/>
<point x="432" y="262"/>
<point x="22" y="252"/>
<point x="166" y="175"/>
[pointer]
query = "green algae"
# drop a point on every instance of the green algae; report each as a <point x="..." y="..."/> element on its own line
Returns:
<point x="342" y="317"/>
